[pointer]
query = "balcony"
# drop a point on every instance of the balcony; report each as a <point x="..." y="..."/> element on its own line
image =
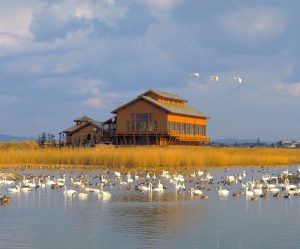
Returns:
<point x="189" y="137"/>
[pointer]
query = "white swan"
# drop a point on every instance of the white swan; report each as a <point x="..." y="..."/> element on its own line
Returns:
<point x="63" y="179"/>
<point x="31" y="184"/>
<point x="223" y="192"/>
<point x="214" y="78"/>
<point x="257" y="191"/>
<point x="195" y="74"/>
<point x="159" y="188"/>
<point x="26" y="189"/>
<point x="49" y="181"/>
<point x="70" y="192"/>
<point x="77" y="183"/>
<point x="16" y="189"/>
<point x="40" y="184"/>
<point x="129" y="179"/>
<point x="249" y="193"/>
<point x="273" y="189"/>
<point x="117" y="174"/>
<point x="82" y="195"/>
<point x="238" y="79"/>
<point x="104" y="193"/>
<point x="196" y="191"/>
<point x="7" y="182"/>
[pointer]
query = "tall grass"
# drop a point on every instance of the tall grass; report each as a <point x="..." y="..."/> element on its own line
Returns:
<point x="18" y="145"/>
<point x="28" y="154"/>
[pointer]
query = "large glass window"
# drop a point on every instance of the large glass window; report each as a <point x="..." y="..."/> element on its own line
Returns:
<point x="141" y="121"/>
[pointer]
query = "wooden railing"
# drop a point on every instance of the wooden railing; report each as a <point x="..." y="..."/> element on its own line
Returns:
<point x="189" y="137"/>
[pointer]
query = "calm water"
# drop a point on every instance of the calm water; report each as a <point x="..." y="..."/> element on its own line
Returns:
<point x="47" y="219"/>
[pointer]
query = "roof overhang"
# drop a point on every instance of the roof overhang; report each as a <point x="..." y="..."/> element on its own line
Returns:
<point x="141" y="97"/>
<point x="81" y="127"/>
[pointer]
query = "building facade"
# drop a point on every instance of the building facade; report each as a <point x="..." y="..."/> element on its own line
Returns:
<point x="86" y="132"/>
<point x="159" y="118"/>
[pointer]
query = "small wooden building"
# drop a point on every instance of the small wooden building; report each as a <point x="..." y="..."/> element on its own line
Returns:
<point x="159" y="118"/>
<point x="86" y="132"/>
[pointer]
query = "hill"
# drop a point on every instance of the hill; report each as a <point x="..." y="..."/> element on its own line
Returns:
<point x="9" y="138"/>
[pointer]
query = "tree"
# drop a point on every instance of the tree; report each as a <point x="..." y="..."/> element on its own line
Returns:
<point x="42" y="140"/>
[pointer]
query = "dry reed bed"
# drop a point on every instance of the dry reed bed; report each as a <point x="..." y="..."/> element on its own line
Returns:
<point x="144" y="158"/>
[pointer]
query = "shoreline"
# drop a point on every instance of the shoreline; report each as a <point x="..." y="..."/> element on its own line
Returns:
<point x="185" y="169"/>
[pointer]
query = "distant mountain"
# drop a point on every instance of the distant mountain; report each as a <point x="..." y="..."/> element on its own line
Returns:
<point x="9" y="138"/>
<point x="236" y="141"/>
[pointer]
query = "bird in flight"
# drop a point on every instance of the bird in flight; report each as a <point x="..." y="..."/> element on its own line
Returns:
<point x="238" y="79"/>
<point x="195" y="74"/>
<point x="214" y="78"/>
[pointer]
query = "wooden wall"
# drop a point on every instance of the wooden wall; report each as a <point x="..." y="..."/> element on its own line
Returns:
<point x="141" y="106"/>
<point x="77" y="138"/>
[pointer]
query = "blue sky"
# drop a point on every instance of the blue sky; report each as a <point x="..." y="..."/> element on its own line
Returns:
<point x="61" y="59"/>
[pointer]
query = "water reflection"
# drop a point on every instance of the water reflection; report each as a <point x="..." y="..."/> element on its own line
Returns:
<point x="48" y="219"/>
<point x="152" y="221"/>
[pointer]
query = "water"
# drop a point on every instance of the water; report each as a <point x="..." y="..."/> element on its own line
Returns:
<point x="47" y="219"/>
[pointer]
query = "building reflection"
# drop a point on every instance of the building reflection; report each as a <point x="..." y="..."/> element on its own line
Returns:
<point x="157" y="215"/>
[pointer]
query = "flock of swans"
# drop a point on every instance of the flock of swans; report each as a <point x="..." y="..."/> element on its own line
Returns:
<point x="216" y="78"/>
<point x="198" y="184"/>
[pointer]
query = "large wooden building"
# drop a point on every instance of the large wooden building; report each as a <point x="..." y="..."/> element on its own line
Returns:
<point x="153" y="118"/>
<point x="159" y="118"/>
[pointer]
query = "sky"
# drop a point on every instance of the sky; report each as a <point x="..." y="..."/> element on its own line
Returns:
<point x="61" y="59"/>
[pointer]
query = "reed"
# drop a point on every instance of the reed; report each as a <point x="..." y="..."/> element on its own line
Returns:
<point x="142" y="158"/>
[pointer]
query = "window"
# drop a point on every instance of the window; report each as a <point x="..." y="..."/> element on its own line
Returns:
<point x="155" y="125"/>
<point x="128" y="125"/>
<point x="141" y="121"/>
<point x="150" y="124"/>
<point x="132" y="122"/>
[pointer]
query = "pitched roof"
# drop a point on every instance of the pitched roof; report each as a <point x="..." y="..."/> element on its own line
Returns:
<point x="75" y="128"/>
<point x="84" y="118"/>
<point x="165" y="95"/>
<point x="181" y="110"/>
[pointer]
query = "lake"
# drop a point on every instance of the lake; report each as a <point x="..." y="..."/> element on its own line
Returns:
<point x="46" y="218"/>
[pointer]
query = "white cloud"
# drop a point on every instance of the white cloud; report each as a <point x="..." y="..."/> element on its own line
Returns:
<point x="88" y="87"/>
<point x="15" y="16"/>
<point x="93" y="102"/>
<point x="163" y="4"/>
<point x="8" y="40"/>
<point x="292" y="89"/>
<point x="260" y="22"/>
<point x="106" y="11"/>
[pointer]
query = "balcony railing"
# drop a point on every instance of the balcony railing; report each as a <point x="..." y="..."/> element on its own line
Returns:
<point x="189" y="137"/>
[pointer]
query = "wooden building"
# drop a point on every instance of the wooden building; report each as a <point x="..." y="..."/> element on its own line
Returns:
<point x="86" y="132"/>
<point x="159" y="118"/>
<point x="153" y="118"/>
